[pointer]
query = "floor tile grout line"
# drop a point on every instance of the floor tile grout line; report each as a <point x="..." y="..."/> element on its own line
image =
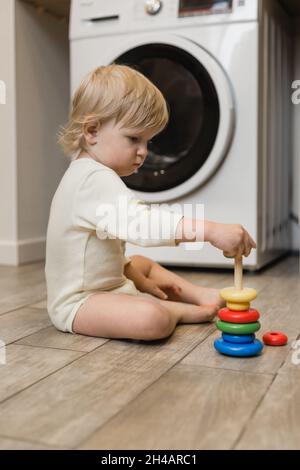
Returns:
<point x="30" y="334"/>
<point x="26" y="336"/>
<point x="51" y="373"/>
<point x="39" y="331"/>
<point x="19" y="308"/>
<point x="249" y="372"/>
<point x="58" y="349"/>
<point x="42" y="378"/>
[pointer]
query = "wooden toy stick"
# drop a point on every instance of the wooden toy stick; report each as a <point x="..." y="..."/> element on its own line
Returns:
<point x="238" y="273"/>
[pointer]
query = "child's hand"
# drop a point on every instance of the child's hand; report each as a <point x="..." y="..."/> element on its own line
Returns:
<point x="145" y="284"/>
<point x="160" y="289"/>
<point x="233" y="239"/>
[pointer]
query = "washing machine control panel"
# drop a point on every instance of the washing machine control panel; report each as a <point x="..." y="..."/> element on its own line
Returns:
<point x="204" y="7"/>
<point x="91" y="18"/>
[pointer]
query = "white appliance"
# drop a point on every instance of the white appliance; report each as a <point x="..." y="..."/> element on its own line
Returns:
<point x="224" y="68"/>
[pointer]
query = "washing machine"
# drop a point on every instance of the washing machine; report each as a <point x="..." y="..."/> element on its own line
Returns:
<point x="224" y="69"/>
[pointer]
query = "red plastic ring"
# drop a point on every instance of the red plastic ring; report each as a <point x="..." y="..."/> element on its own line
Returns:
<point x="275" y="338"/>
<point x="234" y="316"/>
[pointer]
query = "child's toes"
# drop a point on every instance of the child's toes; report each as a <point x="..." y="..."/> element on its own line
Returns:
<point x="208" y="312"/>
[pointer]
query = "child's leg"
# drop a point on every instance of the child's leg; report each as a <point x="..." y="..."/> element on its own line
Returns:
<point x="126" y="316"/>
<point x="112" y="315"/>
<point x="190" y="292"/>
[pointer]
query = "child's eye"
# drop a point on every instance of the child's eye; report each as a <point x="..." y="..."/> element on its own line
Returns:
<point x="132" y="138"/>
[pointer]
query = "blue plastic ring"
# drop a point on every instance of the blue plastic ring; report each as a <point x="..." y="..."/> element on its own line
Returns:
<point x="240" y="339"/>
<point x="239" y="350"/>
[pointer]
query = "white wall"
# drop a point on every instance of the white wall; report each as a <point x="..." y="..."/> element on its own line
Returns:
<point x="8" y="182"/>
<point x="36" y="68"/>
<point x="296" y="142"/>
<point x="42" y="53"/>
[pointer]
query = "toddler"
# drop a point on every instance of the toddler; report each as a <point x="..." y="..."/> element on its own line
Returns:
<point x="93" y="288"/>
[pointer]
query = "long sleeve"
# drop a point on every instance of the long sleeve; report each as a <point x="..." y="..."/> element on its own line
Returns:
<point x="104" y="203"/>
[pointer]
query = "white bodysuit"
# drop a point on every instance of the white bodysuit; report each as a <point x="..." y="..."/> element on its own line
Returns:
<point x="80" y="258"/>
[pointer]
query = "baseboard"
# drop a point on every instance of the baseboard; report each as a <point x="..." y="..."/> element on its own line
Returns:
<point x="8" y="253"/>
<point x="22" y="251"/>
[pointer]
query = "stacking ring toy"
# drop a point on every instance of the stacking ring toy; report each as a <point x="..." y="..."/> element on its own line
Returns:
<point x="275" y="338"/>
<point x="246" y="316"/>
<point x="238" y="306"/>
<point x="238" y="299"/>
<point x="242" y="350"/>
<point x="239" y="339"/>
<point x="237" y="328"/>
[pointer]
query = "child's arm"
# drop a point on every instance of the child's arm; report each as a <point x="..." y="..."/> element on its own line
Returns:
<point x="137" y="272"/>
<point x="105" y="204"/>
<point x="232" y="239"/>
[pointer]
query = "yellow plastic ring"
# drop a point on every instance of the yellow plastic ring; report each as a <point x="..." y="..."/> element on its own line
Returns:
<point x="230" y="294"/>
<point x="238" y="306"/>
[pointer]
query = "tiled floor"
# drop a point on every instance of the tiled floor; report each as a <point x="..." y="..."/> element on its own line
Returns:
<point x="59" y="390"/>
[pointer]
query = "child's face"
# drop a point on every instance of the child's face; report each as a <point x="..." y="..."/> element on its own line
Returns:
<point x="121" y="149"/>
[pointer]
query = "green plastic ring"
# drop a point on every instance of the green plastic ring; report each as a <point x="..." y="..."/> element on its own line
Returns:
<point x="237" y="328"/>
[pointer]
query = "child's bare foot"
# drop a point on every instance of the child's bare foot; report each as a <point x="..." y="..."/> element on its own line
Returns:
<point x="207" y="296"/>
<point x="199" y="313"/>
<point x="190" y="313"/>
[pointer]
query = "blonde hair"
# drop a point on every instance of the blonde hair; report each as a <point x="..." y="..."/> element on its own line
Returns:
<point x="113" y="91"/>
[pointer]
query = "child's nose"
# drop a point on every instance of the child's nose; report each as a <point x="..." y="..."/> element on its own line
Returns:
<point x="143" y="150"/>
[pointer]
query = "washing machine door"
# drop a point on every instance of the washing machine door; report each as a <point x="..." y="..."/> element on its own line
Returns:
<point x="191" y="148"/>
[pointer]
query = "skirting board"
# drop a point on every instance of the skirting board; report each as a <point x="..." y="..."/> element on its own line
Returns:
<point x="22" y="251"/>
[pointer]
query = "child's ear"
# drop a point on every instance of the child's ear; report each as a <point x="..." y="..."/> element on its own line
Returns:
<point x="91" y="132"/>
